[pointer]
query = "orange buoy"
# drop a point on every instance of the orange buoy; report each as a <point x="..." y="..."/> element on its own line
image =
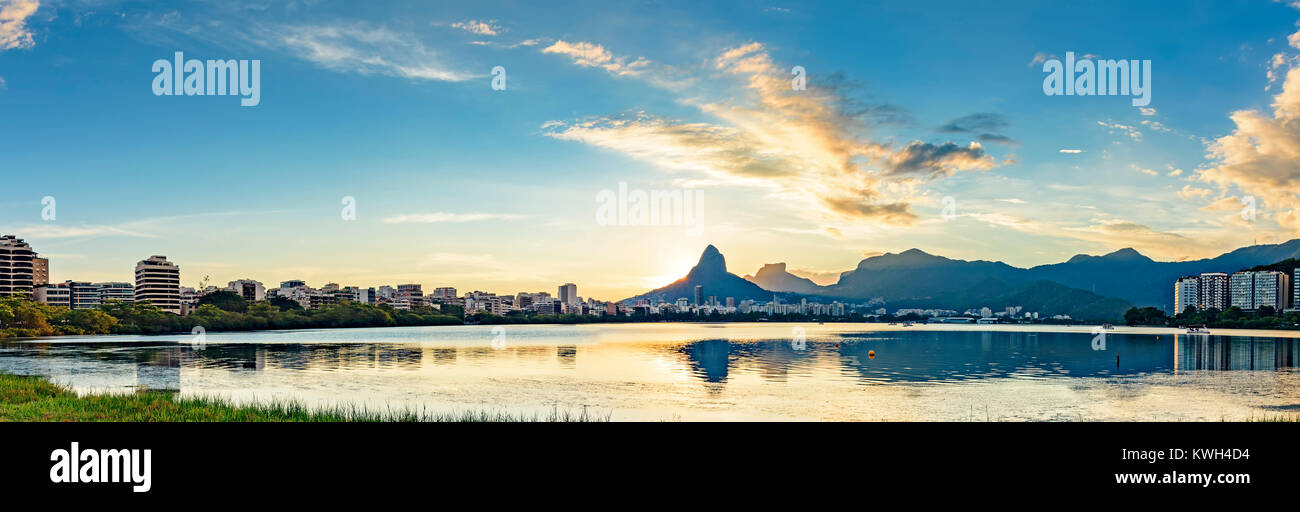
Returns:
<point x="871" y="354"/>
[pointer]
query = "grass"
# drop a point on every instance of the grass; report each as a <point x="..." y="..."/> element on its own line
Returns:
<point x="38" y="399"/>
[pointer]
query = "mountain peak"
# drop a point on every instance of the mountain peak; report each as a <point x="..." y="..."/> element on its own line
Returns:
<point x="711" y="262"/>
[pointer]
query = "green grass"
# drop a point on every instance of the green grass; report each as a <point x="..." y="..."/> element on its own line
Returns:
<point x="38" y="399"/>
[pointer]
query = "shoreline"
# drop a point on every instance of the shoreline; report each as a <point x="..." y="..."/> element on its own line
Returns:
<point x="838" y="326"/>
<point x="26" y="398"/>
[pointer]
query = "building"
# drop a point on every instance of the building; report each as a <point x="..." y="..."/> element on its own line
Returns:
<point x="120" y="292"/>
<point x="442" y="293"/>
<point x="1254" y="290"/>
<point x="1272" y="289"/>
<point x="1187" y="293"/>
<point x="250" y="290"/>
<point x="84" y="295"/>
<point x="569" y="294"/>
<point x="16" y="275"/>
<point x="159" y="282"/>
<point x="54" y="295"/>
<point x="1213" y="291"/>
<point x="699" y="292"/>
<point x="1295" y="289"/>
<point x="413" y="294"/>
<point x="40" y="271"/>
<point x="1241" y="290"/>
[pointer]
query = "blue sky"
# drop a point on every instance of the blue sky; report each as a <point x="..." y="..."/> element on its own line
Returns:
<point x="458" y="184"/>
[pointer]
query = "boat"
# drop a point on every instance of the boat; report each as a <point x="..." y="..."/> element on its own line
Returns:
<point x="1107" y="327"/>
<point x="907" y="324"/>
<point x="1198" y="330"/>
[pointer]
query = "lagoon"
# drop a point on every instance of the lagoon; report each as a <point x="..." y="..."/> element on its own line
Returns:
<point x="698" y="371"/>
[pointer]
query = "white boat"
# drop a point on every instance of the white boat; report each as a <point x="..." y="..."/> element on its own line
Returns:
<point x="907" y="324"/>
<point x="1107" y="327"/>
<point x="1198" y="330"/>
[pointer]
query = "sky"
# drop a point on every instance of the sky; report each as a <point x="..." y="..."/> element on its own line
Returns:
<point x="483" y="145"/>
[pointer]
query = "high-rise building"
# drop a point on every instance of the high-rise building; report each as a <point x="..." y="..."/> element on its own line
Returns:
<point x="250" y="290"/>
<point x="1254" y="290"/>
<point x="569" y="294"/>
<point x="1187" y="293"/>
<point x="1272" y="289"/>
<point x="699" y="294"/>
<point x="1213" y="291"/>
<point x="121" y="292"/>
<point x="1241" y="290"/>
<point x="1295" y="289"/>
<point x="16" y="277"/>
<point x="40" y="271"/>
<point x="159" y="282"/>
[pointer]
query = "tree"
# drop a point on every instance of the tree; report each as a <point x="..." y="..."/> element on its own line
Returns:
<point x="226" y="301"/>
<point x="285" y="303"/>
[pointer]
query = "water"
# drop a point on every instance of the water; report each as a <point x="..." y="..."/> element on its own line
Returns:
<point x="709" y="371"/>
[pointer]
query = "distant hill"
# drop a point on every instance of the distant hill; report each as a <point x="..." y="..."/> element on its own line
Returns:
<point x="914" y="274"/>
<point x="774" y="277"/>
<point x="711" y="273"/>
<point x="1133" y="277"/>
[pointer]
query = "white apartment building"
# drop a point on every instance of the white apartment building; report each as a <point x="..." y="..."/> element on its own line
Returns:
<point x="1272" y="289"/>
<point x="1187" y="292"/>
<point x="54" y="294"/>
<point x="84" y="295"/>
<point x="159" y="282"/>
<point x="1241" y="290"/>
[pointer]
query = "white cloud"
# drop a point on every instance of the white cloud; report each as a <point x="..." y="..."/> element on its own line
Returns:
<point x="483" y="28"/>
<point x="442" y="217"/>
<point x="366" y="50"/>
<point x="1071" y="151"/>
<point x="14" y="33"/>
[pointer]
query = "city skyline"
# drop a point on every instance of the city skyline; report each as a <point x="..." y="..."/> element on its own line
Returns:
<point x="454" y="183"/>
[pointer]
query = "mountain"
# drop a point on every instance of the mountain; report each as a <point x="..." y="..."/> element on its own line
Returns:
<point x="1138" y="279"/>
<point x="710" y="273"/>
<point x="773" y="276"/>
<point x="915" y="277"/>
<point x="914" y="274"/>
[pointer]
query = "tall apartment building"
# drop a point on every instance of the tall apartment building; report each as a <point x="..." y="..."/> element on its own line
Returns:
<point x="40" y="271"/>
<point x="1241" y="290"/>
<point x="159" y="282"/>
<point x="54" y="295"/>
<point x="699" y="290"/>
<point x="1254" y="290"/>
<point x="1272" y="289"/>
<point x="16" y="277"/>
<point x="121" y="292"/>
<point x="569" y="294"/>
<point x="1213" y="291"/>
<point x="1295" y="289"/>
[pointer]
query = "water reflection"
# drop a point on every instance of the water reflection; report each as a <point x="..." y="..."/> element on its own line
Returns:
<point x="899" y="357"/>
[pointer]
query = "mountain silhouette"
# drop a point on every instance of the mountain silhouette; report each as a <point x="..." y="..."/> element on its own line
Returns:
<point x="774" y="277"/>
<point x="710" y="273"/>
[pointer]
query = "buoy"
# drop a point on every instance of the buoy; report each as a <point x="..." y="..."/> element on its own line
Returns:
<point x="871" y="354"/>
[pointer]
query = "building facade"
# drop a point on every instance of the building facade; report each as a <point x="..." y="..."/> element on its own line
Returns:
<point x="54" y="295"/>
<point x="250" y="290"/>
<point x="1214" y="291"/>
<point x="120" y="292"/>
<point x="1187" y="293"/>
<point x="40" y="271"/>
<point x="568" y="294"/>
<point x="16" y="273"/>
<point x="159" y="282"/>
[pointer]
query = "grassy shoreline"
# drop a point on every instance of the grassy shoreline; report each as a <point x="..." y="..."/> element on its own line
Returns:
<point x="37" y="399"/>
